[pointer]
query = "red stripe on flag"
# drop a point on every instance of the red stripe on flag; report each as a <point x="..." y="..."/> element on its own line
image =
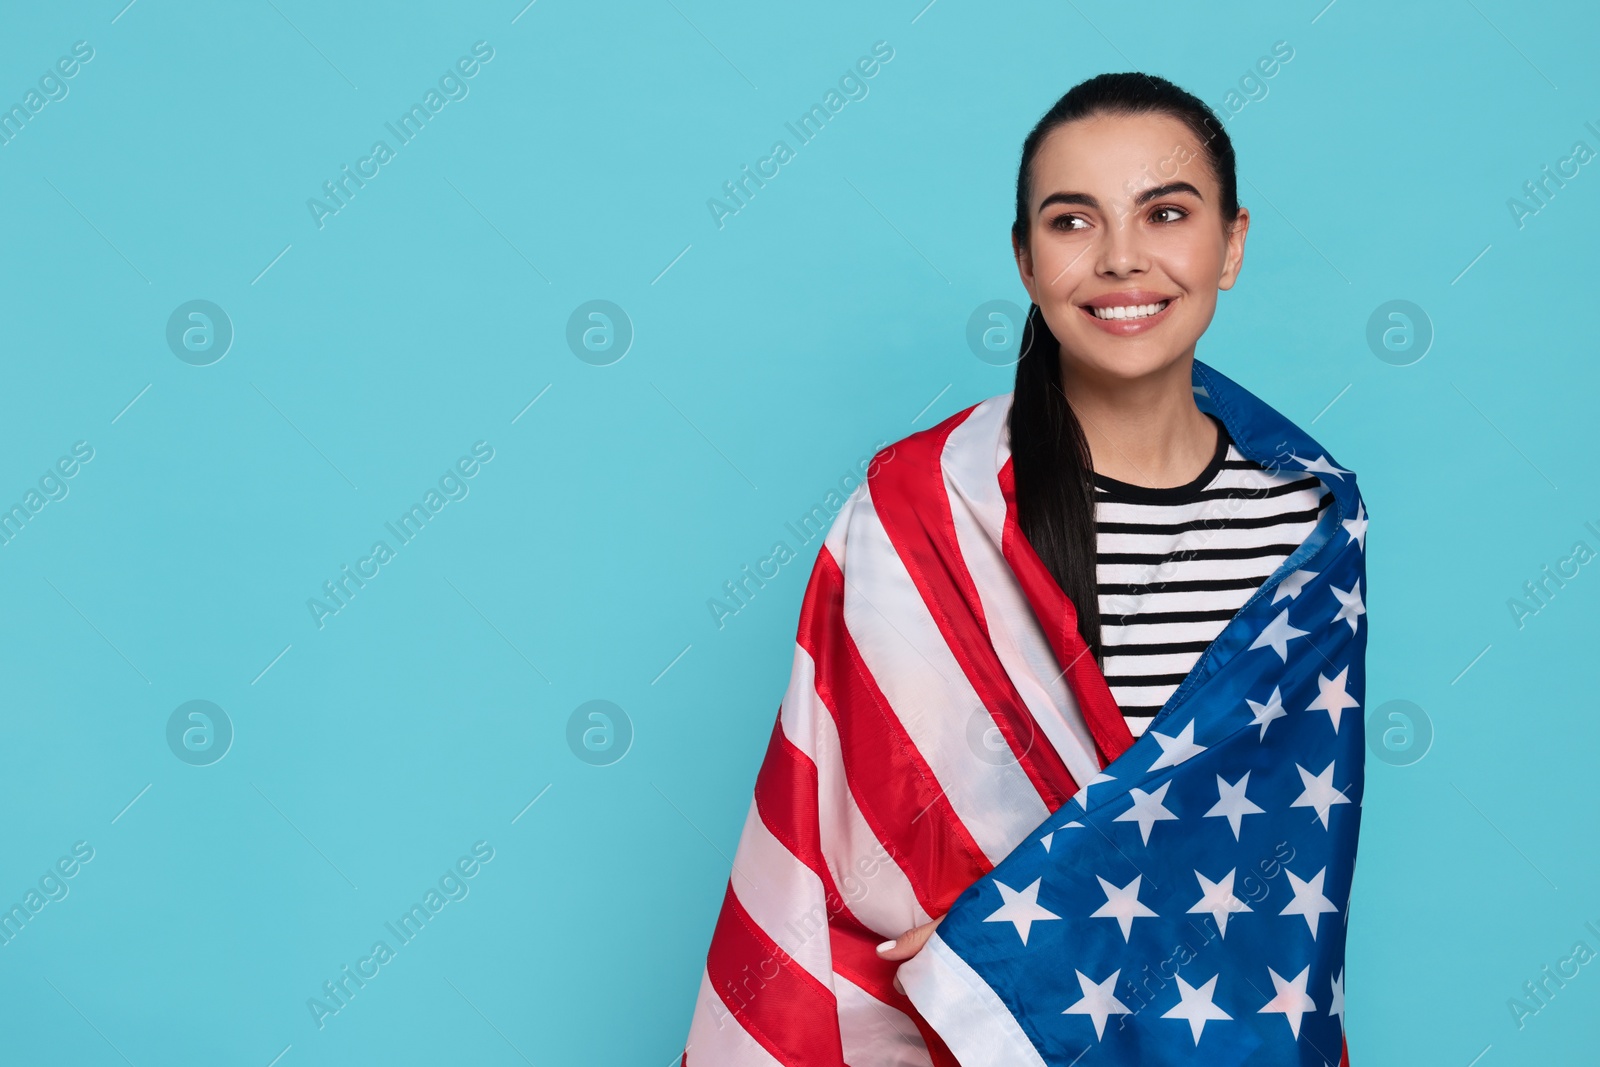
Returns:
<point x="777" y="1002"/>
<point x="786" y="798"/>
<point x="897" y="792"/>
<point x="786" y="795"/>
<point x="1060" y="619"/>
<point x="913" y="504"/>
<point x="855" y="957"/>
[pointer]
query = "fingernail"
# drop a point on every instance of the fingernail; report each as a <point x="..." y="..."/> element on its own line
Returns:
<point x="886" y="946"/>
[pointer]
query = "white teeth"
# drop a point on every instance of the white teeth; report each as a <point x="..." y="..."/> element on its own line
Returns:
<point x="1130" y="311"/>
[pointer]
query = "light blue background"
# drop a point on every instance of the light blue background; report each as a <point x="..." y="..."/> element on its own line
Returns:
<point x="768" y="360"/>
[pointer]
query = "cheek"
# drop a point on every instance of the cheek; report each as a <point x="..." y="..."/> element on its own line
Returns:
<point x="1060" y="266"/>
<point x="1194" y="264"/>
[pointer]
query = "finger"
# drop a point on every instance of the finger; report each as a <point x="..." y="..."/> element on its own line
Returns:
<point x="909" y="943"/>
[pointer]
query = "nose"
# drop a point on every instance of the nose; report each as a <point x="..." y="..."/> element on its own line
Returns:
<point x="1121" y="250"/>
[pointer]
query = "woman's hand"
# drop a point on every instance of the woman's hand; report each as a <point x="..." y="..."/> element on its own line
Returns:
<point x="909" y="943"/>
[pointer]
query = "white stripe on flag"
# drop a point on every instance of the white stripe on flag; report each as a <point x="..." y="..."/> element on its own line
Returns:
<point x="978" y="509"/>
<point x="906" y="654"/>
<point x="884" y="901"/>
<point x="782" y="884"/>
<point x="971" y="1018"/>
<point x="715" y="1037"/>
<point x="874" y="1033"/>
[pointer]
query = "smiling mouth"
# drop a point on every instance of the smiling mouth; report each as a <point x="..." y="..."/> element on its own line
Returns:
<point x="1128" y="312"/>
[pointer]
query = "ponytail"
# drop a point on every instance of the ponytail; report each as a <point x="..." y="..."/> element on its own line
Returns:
<point x="1053" y="475"/>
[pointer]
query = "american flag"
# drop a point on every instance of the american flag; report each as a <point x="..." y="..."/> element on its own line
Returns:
<point x="946" y="747"/>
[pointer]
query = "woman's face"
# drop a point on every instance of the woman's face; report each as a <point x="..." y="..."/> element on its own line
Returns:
<point x="1125" y="214"/>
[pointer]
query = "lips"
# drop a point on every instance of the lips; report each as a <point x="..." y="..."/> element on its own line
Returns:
<point x="1124" y="297"/>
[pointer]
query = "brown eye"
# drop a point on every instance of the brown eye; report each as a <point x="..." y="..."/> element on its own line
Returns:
<point x="1065" y="222"/>
<point x="1181" y="214"/>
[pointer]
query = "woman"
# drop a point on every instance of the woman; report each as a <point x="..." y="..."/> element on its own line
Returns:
<point x="1124" y="584"/>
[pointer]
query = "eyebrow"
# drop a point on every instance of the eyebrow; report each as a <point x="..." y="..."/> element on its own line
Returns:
<point x="1145" y="197"/>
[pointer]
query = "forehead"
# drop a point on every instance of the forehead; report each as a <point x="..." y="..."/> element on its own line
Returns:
<point x="1114" y="157"/>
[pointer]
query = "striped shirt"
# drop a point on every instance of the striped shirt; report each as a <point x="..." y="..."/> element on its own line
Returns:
<point x="1175" y="564"/>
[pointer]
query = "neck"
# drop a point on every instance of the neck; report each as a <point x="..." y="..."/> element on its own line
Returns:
<point x="1145" y="431"/>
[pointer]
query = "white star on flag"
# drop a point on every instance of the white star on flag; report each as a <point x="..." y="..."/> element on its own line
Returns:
<point x="1099" y="1002"/>
<point x="1232" y="802"/>
<point x="1082" y="795"/>
<point x="1195" y="1006"/>
<point x="1265" y="713"/>
<point x="1320" y="465"/>
<point x="1350" y="604"/>
<point x="1277" y="634"/>
<point x="1147" y="809"/>
<point x="1292" y="999"/>
<point x="1331" y="696"/>
<point x="1319" y="793"/>
<point x="1047" y="838"/>
<point x="1122" y="905"/>
<point x="1217" y="899"/>
<point x="1020" y="909"/>
<point x="1292" y="584"/>
<point x="1357" y="527"/>
<point x="1174" y="750"/>
<point x="1308" y="899"/>
<point x="1336" y="1007"/>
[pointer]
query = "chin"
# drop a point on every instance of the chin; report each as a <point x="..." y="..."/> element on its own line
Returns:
<point x="1126" y="365"/>
<point x="1125" y="358"/>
